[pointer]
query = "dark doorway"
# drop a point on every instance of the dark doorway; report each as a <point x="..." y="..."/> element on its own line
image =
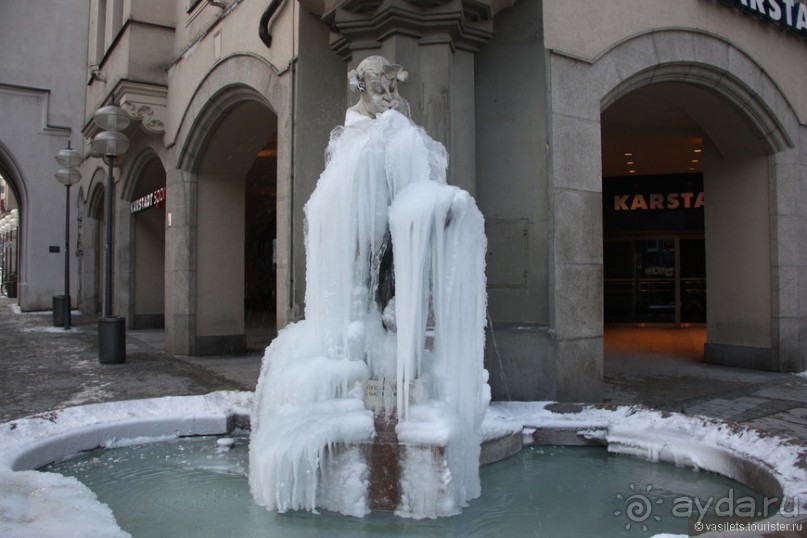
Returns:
<point x="260" y="248"/>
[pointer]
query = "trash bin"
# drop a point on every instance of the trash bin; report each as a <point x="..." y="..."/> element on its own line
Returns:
<point x="112" y="340"/>
<point x="10" y="286"/>
<point x="58" y="310"/>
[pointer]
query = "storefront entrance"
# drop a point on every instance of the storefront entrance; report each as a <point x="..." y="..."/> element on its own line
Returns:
<point x="655" y="280"/>
<point x="685" y="184"/>
<point x="654" y="254"/>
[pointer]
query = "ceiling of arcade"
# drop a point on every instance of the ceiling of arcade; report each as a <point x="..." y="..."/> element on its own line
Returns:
<point x="663" y="126"/>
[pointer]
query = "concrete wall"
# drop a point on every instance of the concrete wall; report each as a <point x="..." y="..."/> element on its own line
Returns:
<point x="204" y="41"/>
<point x="138" y="46"/>
<point x="43" y="46"/>
<point x="586" y="29"/>
<point x="512" y="192"/>
<point x="512" y="165"/>
<point x="738" y="263"/>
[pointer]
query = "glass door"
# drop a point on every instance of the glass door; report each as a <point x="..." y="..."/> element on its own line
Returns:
<point x="655" y="280"/>
<point x="693" y="280"/>
<point x="656" y="275"/>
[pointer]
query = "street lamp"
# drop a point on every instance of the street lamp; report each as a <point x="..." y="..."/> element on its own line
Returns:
<point x="110" y="143"/>
<point x="67" y="176"/>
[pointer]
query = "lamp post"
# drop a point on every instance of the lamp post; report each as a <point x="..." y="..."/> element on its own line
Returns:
<point x="110" y="143"/>
<point x="67" y="176"/>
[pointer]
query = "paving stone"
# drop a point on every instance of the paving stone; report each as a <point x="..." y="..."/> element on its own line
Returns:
<point x="792" y="423"/>
<point x="45" y="367"/>
<point x="796" y="391"/>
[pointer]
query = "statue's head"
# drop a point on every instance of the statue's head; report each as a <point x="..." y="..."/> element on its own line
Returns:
<point x="377" y="81"/>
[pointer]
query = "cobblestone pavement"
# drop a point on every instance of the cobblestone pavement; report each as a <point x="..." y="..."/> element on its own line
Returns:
<point x="668" y="374"/>
<point x="44" y="367"/>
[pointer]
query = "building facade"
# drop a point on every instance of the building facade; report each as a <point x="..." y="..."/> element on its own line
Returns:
<point x="640" y="162"/>
<point x="42" y="92"/>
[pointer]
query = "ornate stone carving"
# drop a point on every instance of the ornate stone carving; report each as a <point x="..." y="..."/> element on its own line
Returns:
<point x="143" y="102"/>
<point x="145" y="114"/>
<point x="365" y="24"/>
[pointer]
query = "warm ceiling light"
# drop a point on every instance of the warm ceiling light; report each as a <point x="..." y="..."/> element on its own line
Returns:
<point x="630" y="163"/>
<point x="696" y="160"/>
<point x="697" y="150"/>
<point x="631" y="171"/>
<point x="628" y="154"/>
<point x="692" y="169"/>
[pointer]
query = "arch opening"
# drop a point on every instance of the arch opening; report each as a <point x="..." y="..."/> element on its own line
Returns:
<point x="686" y="226"/>
<point x="10" y="234"/>
<point x="236" y="230"/>
<point x="147" y="263"/>
<point x="92" y="258"/>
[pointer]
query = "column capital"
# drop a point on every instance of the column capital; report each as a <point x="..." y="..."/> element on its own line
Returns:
<point x="366" y="24"/>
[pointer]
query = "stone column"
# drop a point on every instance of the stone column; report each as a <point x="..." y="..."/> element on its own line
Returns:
<point x="436" y="42"/>
<point x="180" y="266"/>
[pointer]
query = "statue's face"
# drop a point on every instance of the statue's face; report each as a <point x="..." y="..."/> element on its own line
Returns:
<point x="380" y="93"/>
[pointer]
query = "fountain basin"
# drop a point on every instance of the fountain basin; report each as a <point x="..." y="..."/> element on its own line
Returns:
<point x="194" y="488"/>
<point x="772" y="466"/>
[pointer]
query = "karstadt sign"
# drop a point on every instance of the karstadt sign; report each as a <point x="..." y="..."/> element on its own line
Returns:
<point x="669" y="203"/>
<point x="789" y="14"/>
<point x="152" y="199"/>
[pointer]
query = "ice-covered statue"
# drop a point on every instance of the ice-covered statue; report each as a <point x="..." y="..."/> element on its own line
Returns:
<point x="390" y="351"/>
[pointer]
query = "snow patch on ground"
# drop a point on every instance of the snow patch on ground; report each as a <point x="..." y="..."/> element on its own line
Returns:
<point x="48" y="329"/>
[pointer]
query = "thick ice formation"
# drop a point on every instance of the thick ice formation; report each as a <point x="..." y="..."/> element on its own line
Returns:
<point x="385" y="177"/>
<point x="443" y="394"/>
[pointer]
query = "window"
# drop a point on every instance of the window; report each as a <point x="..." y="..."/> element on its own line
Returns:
<point x="100" y="32"/>
<point x="108" y="23"/>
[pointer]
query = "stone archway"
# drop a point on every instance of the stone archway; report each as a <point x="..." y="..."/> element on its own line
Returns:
<point x="580" y="90"/>
<point x="742" y="139"/>
<point x="14" y="266"/>
<point x="238" y="128"/>
<point x="93" y="233"/>
<point x="145" y="192"/>
<point x="219" y="105"/>
<point x="220" y="229"/>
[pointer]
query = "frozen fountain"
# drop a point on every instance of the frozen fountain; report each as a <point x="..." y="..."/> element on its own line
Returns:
<point x="375" y="399"/>
<point x="376" y="403"/>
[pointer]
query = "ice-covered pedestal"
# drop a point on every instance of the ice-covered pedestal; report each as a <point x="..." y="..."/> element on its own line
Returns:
<point x="375" y="399"/>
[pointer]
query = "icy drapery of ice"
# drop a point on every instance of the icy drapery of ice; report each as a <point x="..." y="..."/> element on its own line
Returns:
<point x="384" y="177"/>
<point x="439" y="247"/>
<point x="369" y="162"/>
<point x="307" y="407"/>
<point x="438" y="238"/>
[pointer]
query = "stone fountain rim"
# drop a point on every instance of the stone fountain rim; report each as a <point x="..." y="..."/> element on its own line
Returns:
<point x="776" y="466"/>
